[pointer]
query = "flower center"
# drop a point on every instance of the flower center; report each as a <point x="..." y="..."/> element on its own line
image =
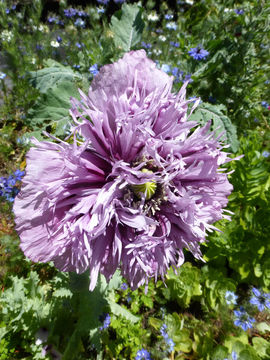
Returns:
<point x="148" y="188"/>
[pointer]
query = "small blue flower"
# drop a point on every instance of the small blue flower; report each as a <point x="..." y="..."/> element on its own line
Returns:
<point x="59" y="39"/>
<point x="124" y="286"/>
<point x="106" y="319"/>
<point x="70" y="12"/>
<point x="171" y="26"/>
<point x="168" y="16"/>
<point x="94" y="69"/>
<point x="79" y="45"/>
<point x="265" y="154"/>
<point x="100" y="10"/>
<point x="267" y="82"/>
<point x="230" y="298"/>
<point x="171" y="345"/>
<point x="82" y="14"/>
<point x="79" y="23"/>
<point x="52" y="19"/>
<point x="2" y="75"/>
<point x="265" y="104"/>
<point x="198" y="53"/>
<point x="142" y="355"/>
<point x="119" y="1"/>
<point x="19" y="174"/>
<point x="39" y="47"/>
<point x="8" y="188"/>
<point x="243" y="320"/>
<point x="239" y="11"/>
<point x="174" y="44"/>
<point x="167" y="339"/>
<point x="7" y="11"/>
<point x="166" y="68"/>
<point x="146" y="45"/>
<point x="188" y="78"/>
<point x="103" y="2"/>
<point x="261" y="299"/>
<point x="77" y="67"/>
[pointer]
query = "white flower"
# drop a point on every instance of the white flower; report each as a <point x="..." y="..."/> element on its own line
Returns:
<point x="43" y="28"/>
<point x="6" y="35"/>
<point x="189" y="2"/>
<point x="162" y="38"/>
<point x="55" y="44"/>
<point x="152" y="16"/>
<point x="157" y="51"/>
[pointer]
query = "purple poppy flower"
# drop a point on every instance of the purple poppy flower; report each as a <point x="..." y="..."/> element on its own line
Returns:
<point x="140" y="185"/>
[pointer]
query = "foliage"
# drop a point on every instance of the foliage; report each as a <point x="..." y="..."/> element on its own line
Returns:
<point x="127" y="26"/>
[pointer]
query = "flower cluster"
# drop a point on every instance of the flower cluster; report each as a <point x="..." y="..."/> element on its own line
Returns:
<point x="141" y="185"/>
<point x="260" y="299"/>
<point x="243" y="320"/>
<point x="174" y="44"/>
<point x="70" y="12"/>
<point x="167" y="339"/>
<point x="106" y="319"/>
<point x="198" y="53"/>
<point x="146" y="45"/>
<point x="143" y="355"/>
<point x="8" y="186"/>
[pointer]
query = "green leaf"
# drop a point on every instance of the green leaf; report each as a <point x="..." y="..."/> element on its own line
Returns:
<point x="127" y="26"/>
<point x="263" y="327"/>
<point x="184" y="285"/>
<point x="182" y="341"/>
<point x="53" y="107"/>
<point x="73" y="347"/>
<point x="52" y="76"/>
<point x="116" y="309"/>
<point x="262" y="347"/>
<point x="220" y="122"/>
<point x="219" y="353"/>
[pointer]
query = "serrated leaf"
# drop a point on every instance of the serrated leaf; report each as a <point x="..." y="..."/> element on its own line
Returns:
<point x="127" y="26"/>
<point x="116" y="309"/>
<point x="52" y="76"/>
<point x="220" y="122"/>
<point x="262" y="347"/>
<point x="62" y="293"/>
<point x="53" y="107"/>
